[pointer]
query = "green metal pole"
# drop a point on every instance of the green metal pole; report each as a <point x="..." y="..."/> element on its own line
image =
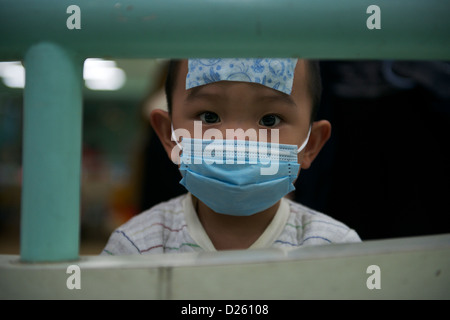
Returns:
<point x="320" y="29"/>
<point x="51" y="154"/>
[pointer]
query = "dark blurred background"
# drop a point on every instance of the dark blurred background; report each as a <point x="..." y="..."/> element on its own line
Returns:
<point x="384" y="172"/>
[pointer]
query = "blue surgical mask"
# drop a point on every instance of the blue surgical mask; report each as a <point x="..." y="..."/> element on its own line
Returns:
<point x="237" y="177"/>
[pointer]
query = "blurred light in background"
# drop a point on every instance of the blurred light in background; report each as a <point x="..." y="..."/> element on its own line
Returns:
<point x="102" y="74"/>
<point x="12" y="74"/>
<point x="98" y="74"/>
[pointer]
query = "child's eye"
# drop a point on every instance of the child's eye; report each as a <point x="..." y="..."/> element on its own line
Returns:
<point x="209" y="117"/>
<point x="269" y="120"/>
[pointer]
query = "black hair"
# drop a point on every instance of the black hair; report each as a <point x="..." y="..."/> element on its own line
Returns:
<point x="314" y="84"/>
<point x="172" y="73"/>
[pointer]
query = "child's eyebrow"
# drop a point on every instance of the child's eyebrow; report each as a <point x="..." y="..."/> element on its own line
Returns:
<point x="193" y="93"/>
<point x="196" y="92"/>
<point x="278" y="97"/>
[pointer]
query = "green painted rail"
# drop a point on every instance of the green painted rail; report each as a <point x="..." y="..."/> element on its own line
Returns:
<point x="410" y="29"/>
<point x="37" y="32"/>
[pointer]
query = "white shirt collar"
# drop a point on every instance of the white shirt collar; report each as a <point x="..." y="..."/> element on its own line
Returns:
<point x="266" y="239"/>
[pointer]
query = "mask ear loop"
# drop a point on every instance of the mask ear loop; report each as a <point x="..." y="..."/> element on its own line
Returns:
<point x="305" y="142"/>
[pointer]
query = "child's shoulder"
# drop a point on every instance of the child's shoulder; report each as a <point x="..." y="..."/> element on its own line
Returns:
<point x="167" y="209"/>
<point x="149" y="230"/>
<point x="164" y="215"/>
<point x="314" y="227"/>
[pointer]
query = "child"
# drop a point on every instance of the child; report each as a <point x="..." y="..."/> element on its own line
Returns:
<point x="236" y="186"/>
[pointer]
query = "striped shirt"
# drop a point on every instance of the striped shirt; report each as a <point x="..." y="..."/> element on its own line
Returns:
<point x="173" y="226"/>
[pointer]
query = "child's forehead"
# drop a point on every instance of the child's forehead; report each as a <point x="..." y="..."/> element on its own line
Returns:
<point x="274" y="73"/>
<point x="254" y="94"/>
<point x="225" y="89"/>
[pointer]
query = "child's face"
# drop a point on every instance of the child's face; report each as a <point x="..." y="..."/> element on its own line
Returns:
<point x="242" y="105"/>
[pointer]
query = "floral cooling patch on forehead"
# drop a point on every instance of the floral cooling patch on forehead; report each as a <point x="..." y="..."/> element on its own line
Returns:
<point x="277" y="74"/>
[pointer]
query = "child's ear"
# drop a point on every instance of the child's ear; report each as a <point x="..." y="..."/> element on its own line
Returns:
<point x="320" y="133"/>
<point x="161" y="123"/>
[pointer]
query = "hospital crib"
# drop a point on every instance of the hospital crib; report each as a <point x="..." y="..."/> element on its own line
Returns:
<point x="53" y="51"/>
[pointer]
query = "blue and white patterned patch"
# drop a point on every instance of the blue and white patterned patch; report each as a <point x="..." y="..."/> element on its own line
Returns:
<point x="277" y="74"/>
